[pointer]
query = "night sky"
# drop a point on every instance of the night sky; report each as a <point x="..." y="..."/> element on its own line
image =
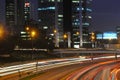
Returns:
<point x="106" y="14"/>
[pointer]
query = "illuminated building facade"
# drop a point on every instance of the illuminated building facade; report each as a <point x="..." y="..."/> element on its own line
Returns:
<point x="67" y="16"/>
<point x="81" y="22"/>
<point x="27" y="11"/>
<point x="50" y="14"/>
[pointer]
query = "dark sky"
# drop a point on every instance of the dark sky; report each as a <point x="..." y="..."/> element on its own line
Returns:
<point x="106" y="14"/>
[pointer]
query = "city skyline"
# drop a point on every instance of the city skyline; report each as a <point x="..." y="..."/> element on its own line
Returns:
<point x="105" y="14"/>
<point x="59" y="39"/>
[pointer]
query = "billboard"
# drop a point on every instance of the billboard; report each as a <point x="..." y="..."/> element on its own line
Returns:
<point x="107" y="35"/>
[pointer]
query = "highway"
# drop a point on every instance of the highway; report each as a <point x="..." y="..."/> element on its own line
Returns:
<point x="104" y="72"/>
<point x="83" y="71"/>
<point x="22" y="70"/>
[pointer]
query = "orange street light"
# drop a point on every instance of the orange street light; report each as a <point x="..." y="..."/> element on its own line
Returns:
<point x="1" y="31"/>
<point x="65" y="36"/>
<point x="27" y="28"/>
<point x="55" y="31"/>
<point x="65" y="40"/>
<point x="93" y="37"/>
<point x="77" y="33"/>
<point x="93" y="33"/>
<point x="33" y="33"/>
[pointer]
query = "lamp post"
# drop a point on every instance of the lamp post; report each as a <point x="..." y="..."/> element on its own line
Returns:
<point x="33" y="34"/>
<point x="1" y="31"/>
<point x="65" y="37"/>
<point x="55" y="36"/>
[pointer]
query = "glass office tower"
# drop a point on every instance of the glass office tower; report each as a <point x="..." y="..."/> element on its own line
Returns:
<point x="65" y="16"/>
<point x="81" y="22"/>
<point x="50" y="14"/>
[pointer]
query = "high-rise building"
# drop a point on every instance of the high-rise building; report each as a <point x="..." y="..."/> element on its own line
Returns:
<point x="50" y="14"/>
<point x="65" y="16"/>
<point x="2" y="11"/>
<point x="30" y="10"/>
<point x="81" y="22"/>
<point x="86" y="22"/>
<point x="77" y="20"/>
<point x="27" y="11"/>
<point x="14" y="14"/>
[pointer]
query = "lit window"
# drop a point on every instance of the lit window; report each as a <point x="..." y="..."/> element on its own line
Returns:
<point x="75" y="1"/>
<point x="89" y="17"/>
<point x="47" y="8"/>
<point x="60" y="15"/>
<point x="45" y="27"/>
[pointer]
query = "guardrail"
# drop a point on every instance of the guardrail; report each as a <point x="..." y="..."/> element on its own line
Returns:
<point x="85" y="51"/>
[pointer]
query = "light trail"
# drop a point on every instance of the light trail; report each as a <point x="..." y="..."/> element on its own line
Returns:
<point x="43" y="65"/>
<point x="85" y="73"/>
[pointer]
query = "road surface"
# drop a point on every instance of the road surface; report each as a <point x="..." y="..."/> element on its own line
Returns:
<point x="83" y="71"/>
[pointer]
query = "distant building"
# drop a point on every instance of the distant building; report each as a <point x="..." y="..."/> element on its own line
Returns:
<point x="2" y="11"/>
<point x="14" y="14"/>
<point x="81" y="22"/>
<point x="50" y="17"/>
<point x="27" y="11"/>
<point x="66" y="16"/>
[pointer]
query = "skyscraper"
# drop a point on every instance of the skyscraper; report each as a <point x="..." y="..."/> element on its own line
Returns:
<point x="50" y="14"/>
<point x="27" y="11"/>
<point x="67" y="16"/>
<point x="2" y="11"/>
<point x="86" y="22"/>
<point x="77" y="20"/>
<point x="81" y="22"/>
<point x="14" y="13"/>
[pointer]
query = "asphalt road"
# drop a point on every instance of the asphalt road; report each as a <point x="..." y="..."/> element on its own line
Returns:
<point x="61" y="73"/>
<point x="83" y="71"/>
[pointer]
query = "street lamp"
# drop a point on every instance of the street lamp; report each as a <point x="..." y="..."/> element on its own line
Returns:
<point x="77" y="33"/>
<point x="55" y="31"/>
<point x="1" y="32"/>
<point x="56" y="37"/>
<point x="65" y="37"/>
<point x="33" y="34"/>
<point x="27" y="28"/>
